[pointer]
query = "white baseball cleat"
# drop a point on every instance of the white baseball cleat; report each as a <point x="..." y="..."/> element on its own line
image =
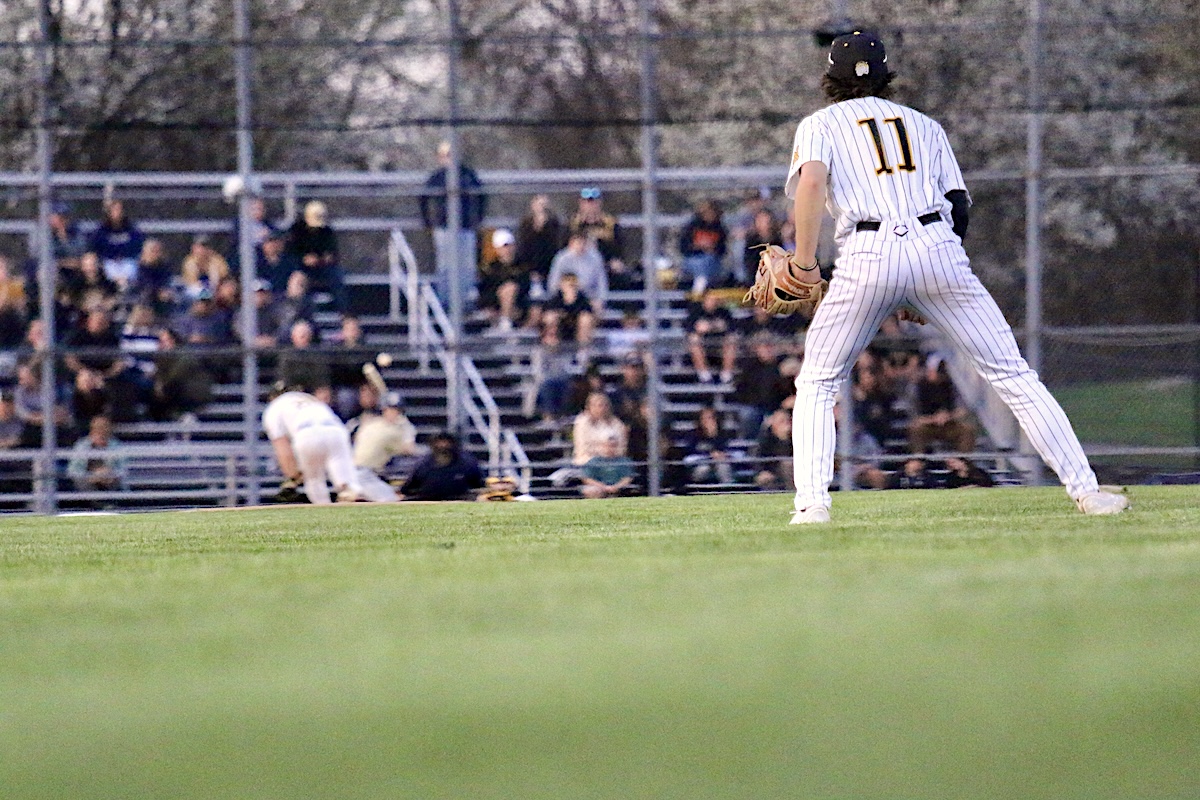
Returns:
<point x="812" y="515"/>
<point x="1102" y="503"/>
<point x="349" y="496"/>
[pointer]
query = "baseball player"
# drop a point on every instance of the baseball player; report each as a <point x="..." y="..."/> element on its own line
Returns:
<point x="309" y="442"/>
<point x="888" y="177"/>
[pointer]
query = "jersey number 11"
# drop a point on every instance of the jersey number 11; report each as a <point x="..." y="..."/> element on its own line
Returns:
<point x="906" y="160"/>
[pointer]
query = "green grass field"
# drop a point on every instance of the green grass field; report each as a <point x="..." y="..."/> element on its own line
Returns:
<point x="1144" y="413"/>
<point x="966" y="644"/>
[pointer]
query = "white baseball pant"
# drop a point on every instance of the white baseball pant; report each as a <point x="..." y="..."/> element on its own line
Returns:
<point x="927" y="268"/>
<point x="325" y="449"/>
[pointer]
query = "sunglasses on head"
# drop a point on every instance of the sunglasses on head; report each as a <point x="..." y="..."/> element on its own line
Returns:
<point x="590" y="193"/>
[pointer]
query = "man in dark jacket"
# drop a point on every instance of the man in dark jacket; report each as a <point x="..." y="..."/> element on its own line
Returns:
<point x="434" y="211"/>
<point x="447" y="473"/>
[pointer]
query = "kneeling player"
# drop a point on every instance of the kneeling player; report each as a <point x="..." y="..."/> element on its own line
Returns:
<point x="310" y="442"/>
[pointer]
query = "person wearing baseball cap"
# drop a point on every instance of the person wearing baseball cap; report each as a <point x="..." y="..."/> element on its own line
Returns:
<point x="858" y="55"/>
<point x="504" y="283"/>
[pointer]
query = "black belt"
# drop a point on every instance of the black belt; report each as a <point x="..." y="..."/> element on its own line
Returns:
<point x="873" y="224"/>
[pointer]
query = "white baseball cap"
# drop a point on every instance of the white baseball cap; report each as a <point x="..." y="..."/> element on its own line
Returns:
<point x="502" y="237"/>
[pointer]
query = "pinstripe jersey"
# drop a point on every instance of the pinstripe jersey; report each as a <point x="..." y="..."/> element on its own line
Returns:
<point x="886" y="162"/>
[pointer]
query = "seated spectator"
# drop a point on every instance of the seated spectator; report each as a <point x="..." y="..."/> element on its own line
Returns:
<point x="583" y="260"/>
<point x="540" y="235"/>
<point x="571" y="311"/>
<point x="710" y="327"/>
<point x="630" y="392"/>
<point x="504" y="283"/>
<point x="595" y="424"/>
<point x="97" y="463"/>
<point x="702" y="244"/>
<point x="583" y="384"/>
<point x="12" y="307"/>
<point x="759" y="386"/>
<point x="15" y="476"/>
<point x="313" y="242"/>
<point x="276" y="263"/>
<point x="304" y="365"/>
<point x="104" y="379"/>
<point x="92" y="288"/>
<point x="296" y="304"/>
<point x="763" y="323"/>
<point x="118" y="243"/>
<point x="604" y="233"/>
<point x="706" y="450"/>
<point x="203" y="269"/>
<point x="631" y="338"/>
<point x="28" y="406"/>
<point x="67" y="241"/>
<point x="774" y="450"/>
<point x="964" y="473"/>
<point x="763" y="231"/>
<point x="261" y="229"/>
<point x="608" y="473"/>
<point x="155" y="275"/>
<point x="939" y="418"/>
<point x="182" y="383"/>
<point x="673" y="476"/>
<point x="874" y="405"/>
<point x="267" y="315"/>
<point x="347" y="354"/>
<point x="139" y="339"/>
<point x="204" y="324"/>
<point x="447" y="473"/>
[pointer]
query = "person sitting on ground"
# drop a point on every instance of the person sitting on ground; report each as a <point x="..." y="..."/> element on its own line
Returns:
<point x="594" y="425"/>
<point x="572" y="311"/>
<point x="964" y="473"/>
<point x="379" y="438"/>
<point x="710" y="326"/>
<point x="97" y="463"/>
<point x="447" y="473"/>
<point x="608" y="473"/>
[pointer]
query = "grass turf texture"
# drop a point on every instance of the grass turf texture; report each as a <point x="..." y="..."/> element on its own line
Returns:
<point x="976" y="643"/>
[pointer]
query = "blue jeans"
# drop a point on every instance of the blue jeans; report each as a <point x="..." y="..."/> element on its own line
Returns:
<point x="702" y="265"/>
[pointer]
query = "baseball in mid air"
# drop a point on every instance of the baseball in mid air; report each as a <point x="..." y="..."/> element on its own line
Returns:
<point x="384" y="359"/>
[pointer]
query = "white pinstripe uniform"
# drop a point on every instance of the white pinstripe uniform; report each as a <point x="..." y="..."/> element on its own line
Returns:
<point x="319" y="440"/>
<point x="891" y="164"/>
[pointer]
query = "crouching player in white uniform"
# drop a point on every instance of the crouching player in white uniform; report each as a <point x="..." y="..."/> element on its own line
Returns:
<point x="310" y="442"/>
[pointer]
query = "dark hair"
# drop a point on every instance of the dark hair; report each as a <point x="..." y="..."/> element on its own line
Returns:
<point x="839" y="89"/>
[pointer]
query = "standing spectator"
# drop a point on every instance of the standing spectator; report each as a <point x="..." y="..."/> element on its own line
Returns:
<point x="118" y="243"/>
<point x="764" y="230"/>
<point x="540" y="235"/>
<point x="571" y="310"/>
<point x="774" y="450"/>
<point x="447" y="473"/>
<point x="702" y="243"/>
<point x="182" y="384"/>
<point x="604" y="233"/>
<point x="154" y="277"/>
<point x="595" y="424"/>
<point x="710" y="326"/>
<point x="97" y="463"/>
<point x="609" y="473"/>
<point x="313" y="242"/>
<point x="758" y="387"/>
<point x="706" y="450"/>
<point x="435" y="214"/>
<point x="504" y="283"/>
<point x="939" y="417"/>
<point x="582" y="259"/>
<point x="203" y="268"/>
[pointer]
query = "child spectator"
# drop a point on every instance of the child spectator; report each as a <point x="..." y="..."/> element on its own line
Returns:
<point x="571" y="310"/>
<point x="608" y="473"/>
<point x="583" y="260"/>
<point x="710" y="326"/>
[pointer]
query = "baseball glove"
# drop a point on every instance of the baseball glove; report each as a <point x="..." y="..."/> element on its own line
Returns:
<point x="289" y="492"/>
<point x="497" y="490"/>
<point x="782" y="286"/>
